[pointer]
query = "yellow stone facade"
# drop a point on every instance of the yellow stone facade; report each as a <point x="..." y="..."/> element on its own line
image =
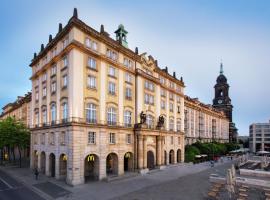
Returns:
<point x="204" y="123"/>
<point x="88" y="93"/>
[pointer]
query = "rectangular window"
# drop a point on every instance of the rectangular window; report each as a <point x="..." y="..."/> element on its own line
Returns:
<point x="128" y="63"/>
<point x="90" y="44"/>
<point x="63" y="138"/>
<point x="171" y="107"/>
<point x="65" y="61"/>
<point x="44" y="77"/>
<point x="111" y="54"/>
<point x="112" y="138"/>
<point x="92" y="63"/>
<point x="163" y="93"/>
<point x="91" y="138"/>
<point x="53" y="70"/>
<point x="179" y="140"/>
<point x="37" y="96"/>
<point x="91" y="82"/>
<point x="65" y="81"/>
<point x="163" y="105"/>
<point x="171" y="96"/>
<point x="52" y="138"/>
<point x="171" y="139"/>
<point x="112" y="71"/>
<point x="128" y="138"/>
<point x="44" y="92"/>
<point x="128" y="93"/>
<point x="128" y="78"/>
<point x="148" y="85"/>
<point x="162" y="80"/>
<point x="53" y="87"/>
<point x="149" y="99"/>
<point x="111" y="88"/>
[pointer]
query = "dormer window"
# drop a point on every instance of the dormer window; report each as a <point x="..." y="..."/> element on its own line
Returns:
<point x="65" y="61"/>
<point x="65" y="42"/>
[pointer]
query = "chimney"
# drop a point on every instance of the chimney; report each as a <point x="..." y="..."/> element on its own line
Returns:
<point x="75" y="13"/>
<point x="50" y="38"/>
<point x="102" y="28"/>
<point x="156" y="62"/>
<point x="35" y="55"/>
<point x="166" y="69"/>
<point x="60" y="28"/>
<point x="174" y="75"/>
<point x="42" y="47"/>
<point x="136" y="50"/>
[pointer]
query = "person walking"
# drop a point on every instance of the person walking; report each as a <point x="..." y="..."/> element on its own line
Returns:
<point x="36" y="173"/>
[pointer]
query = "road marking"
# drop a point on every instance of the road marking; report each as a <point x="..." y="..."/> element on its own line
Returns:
<point x="5" y="183"/>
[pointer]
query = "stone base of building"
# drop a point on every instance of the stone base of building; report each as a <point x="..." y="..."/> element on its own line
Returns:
<point x="144" y="171"/>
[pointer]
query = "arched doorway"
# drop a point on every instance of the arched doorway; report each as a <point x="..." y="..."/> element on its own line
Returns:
<point x="91" y="168"/>
<point x="112" y="164"/>
<point x="42" y="162"/>
<point x="171" y="158"/>
<point x="128" y="162"/>
<point x="63" y="165"/>
<point x="165" y="158"/>
<point x="35" y="159"/>
<point x="52" y="165"/>
<point x="150" y="160"/>
<point x="179" y="155"/>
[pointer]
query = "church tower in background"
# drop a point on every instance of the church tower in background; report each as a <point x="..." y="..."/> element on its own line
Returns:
<point x="222" y="101"/>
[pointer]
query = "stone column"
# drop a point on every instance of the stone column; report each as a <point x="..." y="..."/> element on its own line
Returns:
<point x="140" y="151"/>
<point x="144" y="152"/>
<point x="102" y="168"/>
<point x="168" y="157"/>
<point x="162" y="151"/>
<point x="47" y="165"/>
<point x="74" y="172"/>
<point x="120" y="165"/>
<point x="57" y="167"/>
<point x="39" y="162"/>
<point x="159" y="152"/>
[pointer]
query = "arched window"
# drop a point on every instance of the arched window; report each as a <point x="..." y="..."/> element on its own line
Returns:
<point x="150" y="121"/>
<point x="111" y="116"/>
<point x="53" y="113"/>
<point x="64" y="111"/>
<point x="127" y="118"/>
<point x="171" y="125"/>
<point x="91" y="113"/>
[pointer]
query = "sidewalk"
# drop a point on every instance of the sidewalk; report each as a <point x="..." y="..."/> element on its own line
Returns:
<point x="50" y="188"/>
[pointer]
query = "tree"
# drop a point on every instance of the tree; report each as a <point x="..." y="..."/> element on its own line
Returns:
<point x="13" y="134"/>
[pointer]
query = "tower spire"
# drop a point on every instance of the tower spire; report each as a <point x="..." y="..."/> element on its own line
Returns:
<point x="221" y="68"/>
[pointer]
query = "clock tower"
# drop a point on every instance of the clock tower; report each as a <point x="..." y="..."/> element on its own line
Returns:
<point x="222" y="102"/>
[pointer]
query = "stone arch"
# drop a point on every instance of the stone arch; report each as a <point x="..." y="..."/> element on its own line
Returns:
<point x="91" y="167"/>
<point x="52" y="165"/>
<point x="42" y="162"/>
<point x="128" y="162"/>
<point x="179" y="155"/>
<point x="63" y="165"/>
<point x="165" y="158"/>
<point x="112" y="164"/>
<point x="171" y="156"/>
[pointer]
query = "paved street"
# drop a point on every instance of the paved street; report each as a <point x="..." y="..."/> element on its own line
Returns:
<point x="11" y="189"/>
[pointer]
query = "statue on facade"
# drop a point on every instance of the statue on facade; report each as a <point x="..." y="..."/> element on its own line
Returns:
<point x="142" y="118"/>
<point x="161" y="121"/>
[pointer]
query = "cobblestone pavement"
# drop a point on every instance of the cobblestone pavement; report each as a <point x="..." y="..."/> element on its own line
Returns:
<point x="173" y="182"/>
<point x="193" y="186"/>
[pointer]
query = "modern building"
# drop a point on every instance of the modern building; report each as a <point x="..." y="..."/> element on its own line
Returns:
<point x="259" y="137"/>
<point x="101" y="109"/>
<point x="20" y="109"/>
<point x="222" y="102"/>
<point x="204" y="123"/>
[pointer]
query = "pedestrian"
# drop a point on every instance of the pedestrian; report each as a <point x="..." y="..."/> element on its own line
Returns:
<point x="36" y="173"/>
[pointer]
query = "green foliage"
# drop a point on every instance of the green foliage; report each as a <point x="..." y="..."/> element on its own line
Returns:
<point x="13" y="134"/>
<point x="211" y="149"/>
<point x="190" y="153"/>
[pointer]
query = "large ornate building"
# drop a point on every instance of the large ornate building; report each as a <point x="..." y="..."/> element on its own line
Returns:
<point x="204" y="123"/>
<point x="19" y="109"/>
<point x="100" y="109"/>
<point x="222" y="102"/>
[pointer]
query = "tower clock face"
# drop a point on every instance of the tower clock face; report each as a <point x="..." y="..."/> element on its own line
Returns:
<point x="220" y="101"/>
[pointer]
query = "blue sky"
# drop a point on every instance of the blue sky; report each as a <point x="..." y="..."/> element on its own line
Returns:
<point x="190" y="37"/>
